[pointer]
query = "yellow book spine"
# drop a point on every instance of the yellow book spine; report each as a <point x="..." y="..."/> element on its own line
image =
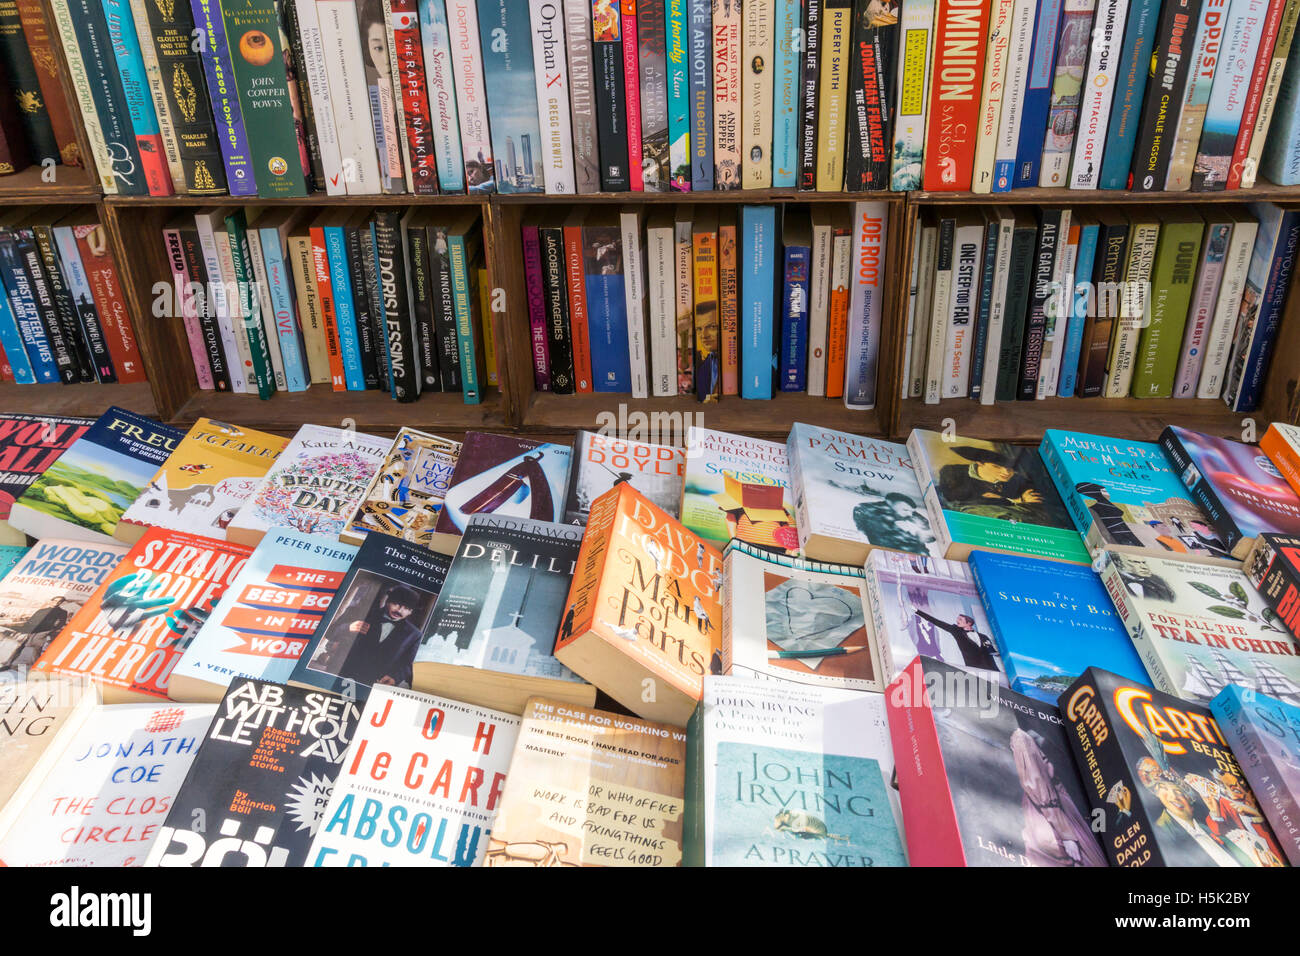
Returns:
<point x="834" y="99"/>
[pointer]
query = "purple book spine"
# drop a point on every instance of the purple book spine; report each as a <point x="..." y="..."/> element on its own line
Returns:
<point x="220" y="73"/>
<point x="536" y="309"/>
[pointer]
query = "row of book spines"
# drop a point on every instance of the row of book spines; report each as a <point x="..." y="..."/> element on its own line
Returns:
<point x="28" y="57"/>
<point x="63" y="316"/>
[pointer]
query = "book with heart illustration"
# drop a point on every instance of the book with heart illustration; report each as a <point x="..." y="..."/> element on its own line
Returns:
<point x="809" y="627"/>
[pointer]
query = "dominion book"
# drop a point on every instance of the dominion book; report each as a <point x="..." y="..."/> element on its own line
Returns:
<point x="738" y="487"/>
<point x="28" y="445"/>
<point x="601" y="461"/>
<point x="405" y="495"/>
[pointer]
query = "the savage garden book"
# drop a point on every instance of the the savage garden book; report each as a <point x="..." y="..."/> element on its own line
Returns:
<point x="601" y="461"/>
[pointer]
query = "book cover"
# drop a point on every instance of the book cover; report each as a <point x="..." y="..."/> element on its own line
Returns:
<point x="738" y="487"/>
<point x="1281" y="442"/>
<point x="759" y="254"/>
<point x="1273" y="567"/>
<point x="915" y="55"/>
<point x="29" y="444"/>
<point x="405" y="495"/>
<point x="1036" y="95"/>
<point x="555" y="148"/>
<point x="757" y="68"/>
<point x="1129" y="92"/>
<point x="960" y="32"/>
<point x="39" y="715"/>
<point x="1171" y="60"/>
<point x="1233" y="63"/>
<point x="727" y="71"/>
<point x="600" y="462"/>
<point x="604" y="280"/>
<point x="435" y="44"/>
<point x="1171" y="293"/>
<point x="1065" y="115"/>
<point x="866" y="304"/>
<point x="471" y="96"/>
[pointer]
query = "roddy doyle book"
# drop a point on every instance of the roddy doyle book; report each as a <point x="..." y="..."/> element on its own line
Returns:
<point x="600" y="462"/>
<point x="406" y="494"/>
<point x="28" y="445"/>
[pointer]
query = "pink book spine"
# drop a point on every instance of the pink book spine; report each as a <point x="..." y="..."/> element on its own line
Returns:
<point x="189" y="314"/>
<point x="632" y="85"/>
<point x="537" y="332"/>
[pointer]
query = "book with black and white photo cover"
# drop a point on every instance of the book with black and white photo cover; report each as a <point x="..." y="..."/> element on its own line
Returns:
<point x="260" y="780"/>
<point x="810" y="626"/>
<point x="601" y="461"/>
<point x="491" y="638"/>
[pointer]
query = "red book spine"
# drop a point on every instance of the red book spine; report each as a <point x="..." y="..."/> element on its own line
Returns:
<point x="110" y="303"/>
<point x="325" y="290"/>
<point x="1255" y="93"/>
<point x="6" y="370"/>
<point x="416" y="115"/>
<point x="961" y="32"/>
<point x="37" y="35"/>
<point x="576" y="279"/>
<point x="632" y="86"/>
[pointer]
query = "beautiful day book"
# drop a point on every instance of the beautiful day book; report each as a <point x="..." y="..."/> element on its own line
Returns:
<point x="36" y="715"/>
<point x="989" y="779"/>
<point x="100" y="797"/>
<point x="1051" y="621"/>
<point x="313" y="486"/>
<point x="993" y="496"/>
<point x="28" y="445"/>
<point x="204" y="482"/>
<point x="1273" y="569"/>
<point x="1162" y="782"/>
<point x="1199" y="628"/>
<point x="602" y="461"/>
<point x="260" y="780"/>
<point x="370" y="632"/>
<point x="85" y="492"/>
<point x="1123" y="495"/>
<point x="810" y="626"/>
<point x="644" y="615"/>
<point x="783" y="774"/>
<point x="133" y="629"/>
<point x="738" y="487"/>
<point x="267" y="616"/>
<point x="432" y="769"/>
<point x="590" y="788"/>
<point x="491" y="638"/>
<point x="405" y="495"/>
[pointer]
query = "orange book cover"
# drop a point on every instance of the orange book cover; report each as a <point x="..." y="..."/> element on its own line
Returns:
<point x="325" y="293"/>
<point x="837" y="325"/>
<point x="576" y="281"/>
<point x="644" y="612"/>
<point x="708" y="352"/>
<point x="1281" y="443"/>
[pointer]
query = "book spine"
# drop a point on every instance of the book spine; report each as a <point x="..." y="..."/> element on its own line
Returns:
<point x="40" y="46"/>
<point x="325" y="296"/>
<point x="25" y="86"/>
<point x="631" y="93"/>
<point x="1200" y="490"/>
<point x="607" y="64"/>
<point x="870" y="95"/>
<point x="837" y="325"/>
<point x="679" y="94"/>
<point x="1077" y="296"/>
<point x="1020" y="287"/>
<point x="560" y="344"/>
<point x="727" y="56"/>
<point x="704" y="259"/>
<point x="436" y="50"/>
<point x="1135" y="310"/>
<point x="701" y="92"/>
<point x="135" y="90"/>
<point x="606" y="311"/>
<point x="1037" y="94"/>
<point x="375" y="306"/>
<point x="69" y="323"/>
<point x="1246" y="378"/>
<point x="1092" y="111"/>
<point x="916" y="47"/>
<point x="995" y="76"/>
<point x="1247" y="24"/>
<point x="1103" y="309"/>
<point x="157" y="94"/>
<point x="79" y="78"/>
<point x="651" y="29"/>
<point x="809" y="86"/>
<point x="266" y="312"/>
<point x="634" y="295"/>
<point x="1204" y="295"/>
<point x="757" y="45"/>
<point x="551" y="71"/>
<point x="1171" y="288"/>
<point x="1249" y="167"/>
<point x="997" y="313"/>
<point x="247" y="311"/>
<point x="833" y="98"/>
<point x="314" y="73"/>
<point x="757" y="285"/>
<point x="984" y="310"/>
<point x="471" y="96"/>
<point x="573" y="284"/>
<point x="468" y="346"/>
<point x="1067" y="248"/>
<point x="301" y="93"/>
<point x="819" y="302"/>
<point x="198" y="291"/>
<point x="491" y="373"/>
<point x="537" y="325"/>
<point x="661" y="287"/>
<point x="344" y="315"/>
<point x="308" y="303"/>
<point x="1019" y="53"/>
<point x="1196" y="94"/>
<point x="82" y="303"/>
<point x="282" y="307"/>
<point x="390" y="270"/>
<point x="382" y="89"/>
<point x="227" y="111"/>
<point x="30" y="261"/>
<point x="1049" y="239"/>
<point x="1170" y="62"/>
<point x="17" y="369"/>
<point x="785" y="95"/>
<point x="1130" y="88"/>
<point x="684" y="262"/>
<point x="729" y="307"/>
<point x="446" y="348"/>
<point x="1281" y="162"/>
<point x="23" y="303"/>
<point x="1218" y="344"/>
<point x="866" y="298"/>
<point x="913" y="292"/>
<point x="221" y="276"/>
<point x="927" y="257"/>
<point x="794" y="319"/>
<point x="962" y="312"/>
<point x="415" y="114"/>
<point x="369" y="335"/>
<point x="1254" y="91"/>
<point x="940" y="311"/>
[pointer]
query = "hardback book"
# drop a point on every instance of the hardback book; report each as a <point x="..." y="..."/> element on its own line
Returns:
<point x="1162" y="781"/>
<point x="738" y="487"/>
<point x="1264" y="735"/>
<point x="1273" y="567"/>
<point x="441" y="808"/>
<point x="853" y="494"/>
<point x="491" y="638"/>
<point x="29" y="444"/>
<point x="1281" y="442"/>
<point x="825" y="750"/>
<point x="992" y="496"/>
<point x="84" y="493"/>
<point x="265" y="619"/>
<point x="1124" y="496"/>
<point x="989" y="779"/>
<point x="405" y="495"/>
<point x="573" y="777"/>
<point x="643" y="613"/>
<point x="313" y="486"/>
<point x="600" y="462"/>
<point x="132" y="630"/>
<point x="505" y="475"/>
<point x="1051" y="621"/>
<point x="1241" y="491"/>
<point x="809" y="628"/>
<point x="260" y="780"/>
<point x="372" y="628"/>
<point x="38" y="715"/>
<point x="70" y="809"/>
<point x="204" y="482"/>
<point x="1199" y="628"/>
<point x="918" y="605"/>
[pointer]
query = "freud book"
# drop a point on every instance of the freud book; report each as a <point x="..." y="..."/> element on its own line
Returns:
<point x="133" y="629"/>
<point x="99" y="797"/>
<point x="313" y="486"/>
<point x="1160" y="774"/>
<point x="265" y="619"/>
<point x="1199" y="628"/>
<point x="738" y="487"/>
<point x="1273" y="567"/>
<point x="781" y="774"/>
<point x="370" y="632"/>
<point x="35" y="715"/>
<point x="203" y="483"/>
<point x="853" y="494"/>
<point x="491" y="638"/>
<point x="590" y="788"/>
<point x="1123" y="495"/>
<point x="644" y="613"/>
<point x="406" y="494"/>
<point x="85" y="492"/>
<point x="810" y="626"/>
<point x="432" y="770"/>
<point x="1050" y="621"/>
<point x="28" y="445"/>
<point x="260" y="780"/>
<point x="991" y="496"/>
<point x="600" y="462"/>
<point x="989" y="780"/>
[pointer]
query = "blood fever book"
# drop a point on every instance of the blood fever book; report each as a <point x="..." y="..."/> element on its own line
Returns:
<point x="405" y="495"/>
<point x="590" y="788"/>
<point x="420" y="785"/>
<point x="261" y="778"/>
<point x="131" y="632"/>
<point x="29" y="444"/>
<point x="600" y="462"/>
<point x="782" y="774"/>
<point x="264" y="621"/>
<point x="1161" y="777"/>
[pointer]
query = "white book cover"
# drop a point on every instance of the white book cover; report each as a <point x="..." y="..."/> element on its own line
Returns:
<point x="819" y="298"/>
<point x="1096" y="94"/>
<point x="634" y="297"/>
<point x="963" y="314"/>
<point x="207" y="224"/>
<point x="940" y="311"/>
<point x="1019" y="53"/>
<point x="995" y="78"/>
<point x="661" y="291"/>
<point x="550" y="66"/>
<point x="1205" y="294"/>
<point x="318" y="70"/>
<point x="266" y="311"/>
<point x="432" y="769"/>
<point x="1060" y="304"/>
<point x="915" y="54"/>
<point x="913" y="290"/>
<point x="233" y="314"/>
<point x="916" y="371"/>
<point x="738" y="487"/>
<point x="341" y="40"/>
<point x="997" y="309"/>
<point x="1135" y="308"/>
<point x="1231" y="288"/>
<point x="471" y="95"/>
<point x="866" y="299"/>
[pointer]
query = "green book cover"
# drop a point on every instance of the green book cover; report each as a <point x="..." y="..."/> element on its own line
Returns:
<point x="1172" y="278"/>
<point x="249" y="309"/>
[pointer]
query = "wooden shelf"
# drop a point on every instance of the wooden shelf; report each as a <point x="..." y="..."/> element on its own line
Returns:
<point x="72" y="184"/>
<point x="90" y="400"/>
<point x="742" y="196"/>
<point x="1263" y="191"/>
<point x="315" y="199"/>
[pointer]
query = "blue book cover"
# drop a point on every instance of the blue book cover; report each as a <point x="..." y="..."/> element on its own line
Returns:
<point x="1051" y="621"/>
<point x="1037" y="98"/>
<point x="435" y="42"/>
<point x="701" y="79"/>
<point x="12" y="341"/>
<point x="1267" y="283"/>
<point x="1078" y="309"/>
<point x="26" y="315"/>
<point x="1130" y="90"/>
<point x="220" y="74"/>
<point x="785" y="93"/>
<point x="344" y="314"/>
<point x="758" y="257"/>
<point x="505" y="34"/>
<point x="602" y="254"/>
<point x="10" y="555"/>
<point x="292" y="352"/>
<point x="985" y="306"/>
<point x="130" y="67"/>
<point x="794" y="319"/>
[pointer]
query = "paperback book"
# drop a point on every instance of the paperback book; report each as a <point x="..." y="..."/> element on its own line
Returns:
<point x="38" y="715"/>
<point x="600" y="462"/>
<point x="738" y="487"/>
<point x="1273" y="568"/>
<point x="29" y="444"/>
<point x="406" y="493"/>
